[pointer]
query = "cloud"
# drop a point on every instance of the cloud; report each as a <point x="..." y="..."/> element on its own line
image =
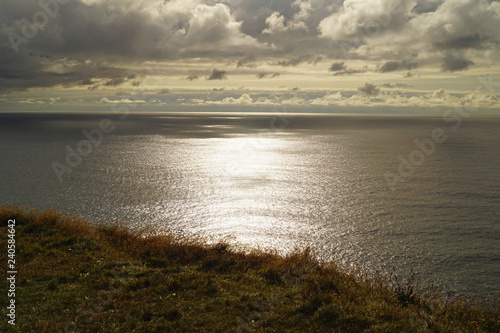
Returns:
<point x="426" y="6"/>
<point x="418" y="29"/>
<point x="196" y="101"/>
<point x="218" y="75"/>
<point x="350" y="71"/>
<point x="452" y="63"/>
<point x="214" y="28"/>
<point x="337" y="66"/>
<point x="329" y="99"/>
<point x="86" y="82"/>
<point x="295" y="100"/>
<point x="299" y="60"/>
<point x="369" y="89"/>
<point x="397" y="85"/>
<point x="30" y="101"/>
<point x="247" y="62"/>
<point x="121" y="101"/>
<point x="392" y="66"/>
<point x="276" y="21"/>
<point x="114" y="82"/>
<point x="263" y="75"/>
<point x="108" y="32"/>
<point x="192" y="77"/>
<point x="244" y="99"/>
<point x="461" y="24"/>
<point x="27" y="70"/>
<point x="363" y="19"/>
<point x="247" y="100"/>
<point x="372" y="96"/>
<point x="97" y="44"/>
<point x="466" y="42"/>
<point x="438" y="98"/>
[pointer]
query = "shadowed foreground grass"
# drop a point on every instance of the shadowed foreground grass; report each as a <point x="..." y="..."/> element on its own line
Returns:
<point x="76" y="277"/>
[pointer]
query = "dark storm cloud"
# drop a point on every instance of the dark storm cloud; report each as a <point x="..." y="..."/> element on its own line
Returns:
<point x="299" y="60"/>
<point x="467" y="42"/>
<point x="350" y="71"/>
<point x="86" y="82"/>
<point x="369" y="89"/>
<point x="105" y="33"/>
<point x="453" y="63"/>
<point x="294" y="61"/>
<point x="23" y="71"/>
<point x="392" y="66"/>
<point x="88" y="41"/>
<point x="337" y="66"/>
<point x="114" y="82"/>
<point x="217" y="75"/>
<point x="396" y="85"/>
<point x="48" y="55"/>
<point x="247" y="62"/>
<point x="263" y="75"/>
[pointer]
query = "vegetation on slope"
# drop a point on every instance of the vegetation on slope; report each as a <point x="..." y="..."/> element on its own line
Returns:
<point x="77" y="277"/>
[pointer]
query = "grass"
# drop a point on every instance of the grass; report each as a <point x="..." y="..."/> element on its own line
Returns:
<point x="77" y="277"/>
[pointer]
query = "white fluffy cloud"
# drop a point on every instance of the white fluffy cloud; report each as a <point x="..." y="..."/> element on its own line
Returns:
<point x="105" y="100"/>
<point x="276" y="21"/>
<point x="438" y="98"/>
<point x="444" y="32"/>
<point x="244" y="99"/>
<point x="214" y="28"/>
<point x="364" y="19"/>
<point x="460" y="23"/>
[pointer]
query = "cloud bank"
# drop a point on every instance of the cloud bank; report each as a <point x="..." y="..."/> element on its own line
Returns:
<point x="97" y="45"/>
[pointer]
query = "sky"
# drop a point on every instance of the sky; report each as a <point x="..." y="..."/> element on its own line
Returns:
<point x="405" y="56"/>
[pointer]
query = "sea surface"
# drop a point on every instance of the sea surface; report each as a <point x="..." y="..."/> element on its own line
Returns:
<point x="358" y="189"/>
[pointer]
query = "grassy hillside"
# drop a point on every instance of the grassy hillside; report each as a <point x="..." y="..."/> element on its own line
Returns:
<point x="76" y="277"/>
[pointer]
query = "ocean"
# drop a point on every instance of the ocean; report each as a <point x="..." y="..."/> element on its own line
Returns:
<point x="376" y="193"/>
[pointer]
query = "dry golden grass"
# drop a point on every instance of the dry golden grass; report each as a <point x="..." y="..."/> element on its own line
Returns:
<point x="76" y="276"/>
